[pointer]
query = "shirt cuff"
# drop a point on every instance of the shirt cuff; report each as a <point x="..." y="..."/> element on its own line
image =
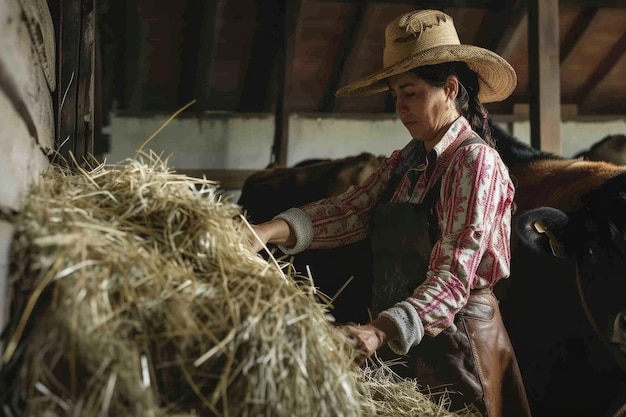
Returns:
<point x="302" y="227"/>
<point x="409" y="324"/>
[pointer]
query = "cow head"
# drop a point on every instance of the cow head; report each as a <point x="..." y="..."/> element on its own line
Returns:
<point x="611" y="148"/>
<point x="594" y="235"/>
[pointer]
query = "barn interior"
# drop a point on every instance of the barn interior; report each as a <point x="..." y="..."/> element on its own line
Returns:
<point x="264" y="77"/>
<point x="226" y="88"/>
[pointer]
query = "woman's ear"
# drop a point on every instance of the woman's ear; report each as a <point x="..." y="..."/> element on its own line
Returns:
<point x="452" y="87"/>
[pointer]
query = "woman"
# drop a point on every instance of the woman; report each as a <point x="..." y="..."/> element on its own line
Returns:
<point x="450" y="176"/>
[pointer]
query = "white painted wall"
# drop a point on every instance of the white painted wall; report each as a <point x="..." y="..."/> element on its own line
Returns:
<point x="578" y="135"/>
<point x="221" y="143"/>
<point x="244" y="142"/>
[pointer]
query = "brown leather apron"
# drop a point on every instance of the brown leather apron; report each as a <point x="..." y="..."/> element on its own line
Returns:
<point x="472" y="361"/>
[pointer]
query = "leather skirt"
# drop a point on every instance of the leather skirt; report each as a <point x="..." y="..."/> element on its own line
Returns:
<point x="473" y="362"/>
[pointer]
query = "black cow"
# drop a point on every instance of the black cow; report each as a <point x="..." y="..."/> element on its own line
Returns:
<point x="560" y="308"/>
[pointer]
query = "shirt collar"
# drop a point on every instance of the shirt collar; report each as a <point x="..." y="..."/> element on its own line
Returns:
<point x="414" y="154"/>
<point x="453" y="136"/>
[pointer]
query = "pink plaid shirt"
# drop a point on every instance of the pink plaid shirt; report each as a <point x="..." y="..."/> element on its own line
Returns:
<point x="474" y="212"/>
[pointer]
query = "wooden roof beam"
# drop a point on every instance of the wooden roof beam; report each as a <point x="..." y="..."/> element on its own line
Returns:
<point x="353" y="25"/>
<point x="575" y="34"/>
<point x="512" y="35"/>
<point x="495" y="25"/>
<point x="601" y="71"/>
<point x="199" y="39"/>
<point x="257" y="84"/>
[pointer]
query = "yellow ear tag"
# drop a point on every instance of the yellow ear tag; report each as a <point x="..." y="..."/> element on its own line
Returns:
<point x="557" y="247"/>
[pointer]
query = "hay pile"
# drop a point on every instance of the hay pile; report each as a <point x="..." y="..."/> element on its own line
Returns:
<point x="135" y="293"/>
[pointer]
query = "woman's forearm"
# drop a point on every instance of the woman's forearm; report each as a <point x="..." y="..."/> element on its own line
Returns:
<point x="276" y="231"/>
<point x="282" y="233"/>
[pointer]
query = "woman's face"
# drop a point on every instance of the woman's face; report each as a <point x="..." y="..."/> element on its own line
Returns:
<point x="426" y="111"/>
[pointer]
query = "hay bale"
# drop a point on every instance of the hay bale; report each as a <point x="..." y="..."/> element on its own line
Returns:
<point x="135" y="292"/>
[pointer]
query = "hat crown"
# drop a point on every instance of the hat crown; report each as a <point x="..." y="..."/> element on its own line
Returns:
<point x="415" y="32"/>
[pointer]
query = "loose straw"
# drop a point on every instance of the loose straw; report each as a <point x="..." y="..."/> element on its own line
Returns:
<point x="136" y="291"/>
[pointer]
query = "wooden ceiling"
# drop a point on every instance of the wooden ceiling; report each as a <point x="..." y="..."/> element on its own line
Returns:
<point x="254" y="56"/>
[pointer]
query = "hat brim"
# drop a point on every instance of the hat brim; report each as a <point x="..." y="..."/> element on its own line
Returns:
<point x="496" y="77"/>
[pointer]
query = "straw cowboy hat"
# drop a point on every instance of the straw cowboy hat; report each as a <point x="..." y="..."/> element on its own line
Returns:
<point x="427" y="37"/>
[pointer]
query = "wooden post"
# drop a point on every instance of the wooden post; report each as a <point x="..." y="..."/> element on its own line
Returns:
<point x="68" y="31"/>
<point x="543" y="61"/>
<point x="84" y="98"/>
<point x="291" y="10"/>
<point x="75" y="31"/>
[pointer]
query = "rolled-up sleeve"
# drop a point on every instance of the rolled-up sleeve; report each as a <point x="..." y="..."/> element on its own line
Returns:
<point x="338" y="220"/>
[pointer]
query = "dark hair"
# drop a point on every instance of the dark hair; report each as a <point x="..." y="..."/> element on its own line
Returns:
<point x="467" y="102"/>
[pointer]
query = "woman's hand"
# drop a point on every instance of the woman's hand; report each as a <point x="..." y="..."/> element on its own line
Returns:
<point x="274" y="231"/>
<point x="255" y="234"/>
<point x="368" y="338"/>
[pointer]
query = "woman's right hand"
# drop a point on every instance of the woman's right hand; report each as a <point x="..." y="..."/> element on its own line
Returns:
<point x="257" y="238"/>
<point x="368" y="338"/>
<point x="275" y="231"/>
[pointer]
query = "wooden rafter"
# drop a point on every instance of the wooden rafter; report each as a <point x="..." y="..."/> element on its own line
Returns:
<point x="199" y="40"/>
<point x="602" y="69"/>
<point x="488" y="27"/>
<point x="257" y="84"/>
<point x="495" y="25"/>
<point x="512" y="35"/>
<point x="353" y="25"/>
<point x="575" y="34"/>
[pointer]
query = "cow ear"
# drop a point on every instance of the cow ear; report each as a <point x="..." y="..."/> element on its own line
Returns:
<point x="541" y="229"/>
